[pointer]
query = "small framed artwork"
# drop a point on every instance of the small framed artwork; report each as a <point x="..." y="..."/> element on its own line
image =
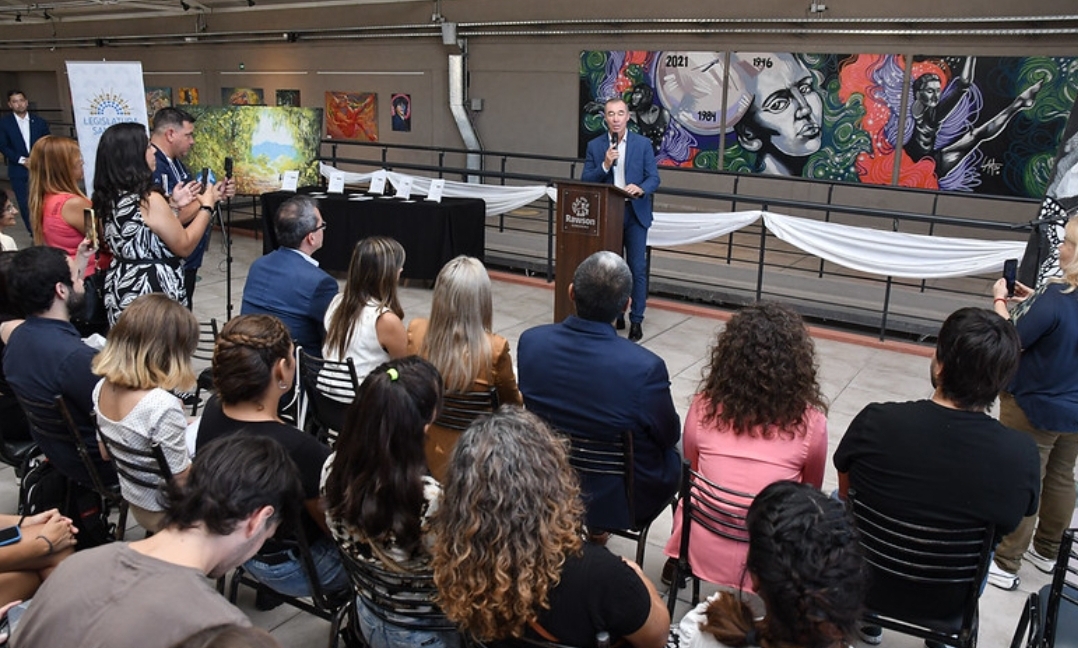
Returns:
<point x="188" y="96"/>
<point x="243" y="97"/>
<point x="402" y="112"/>
<point x="288" y="98"/>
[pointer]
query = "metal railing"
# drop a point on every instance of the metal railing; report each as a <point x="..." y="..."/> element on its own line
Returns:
<point x="749" y="264"/>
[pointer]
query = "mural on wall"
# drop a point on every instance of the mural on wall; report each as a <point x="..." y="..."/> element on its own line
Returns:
<point x="262" y="141"/>
<point x="987" y="125"/>
<point x="289" y="98"/>
<point x="188" y="96"/>
<point x="243" y="97"/>
<point x="352" y="116"/>
<point x="1041" y="260"/>
<point x="156" y="99"/>
<point x="402" y="112"/>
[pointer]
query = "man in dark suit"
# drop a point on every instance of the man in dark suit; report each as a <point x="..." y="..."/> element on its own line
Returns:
<point x="581" y="377"/>
<point x="18" y="133"/>
<point x="626" y="160"/>
<point x="287" y="282"/>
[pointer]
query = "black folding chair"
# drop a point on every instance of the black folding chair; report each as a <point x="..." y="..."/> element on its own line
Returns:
<point x="147" y="468"/>
<point x="926" y="579"/>
<point x="401" y="599"/>
<point x="207" y="339"/>
<point x="612" y="458"/>
<point x="53" y="421"/>
<point x="459" y="409"/>
<point x="716" y="509"/>
<point x="328" y="390"/>
<point x="1060" y="614"/>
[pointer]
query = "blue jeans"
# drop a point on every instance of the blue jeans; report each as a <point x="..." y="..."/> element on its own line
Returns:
<point x="289" y="579"/>
<point x="381" y="634"/>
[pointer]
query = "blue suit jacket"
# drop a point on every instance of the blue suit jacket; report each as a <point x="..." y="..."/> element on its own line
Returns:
<point x="640" y="170"/>
<point x="579" y="375"/>
<point x="286" y="285"/>
<point x="12" y="144"/>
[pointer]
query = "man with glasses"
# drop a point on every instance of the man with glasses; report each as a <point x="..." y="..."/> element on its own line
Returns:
<point x="172" y="138"/>
<point x="287" y="282"/>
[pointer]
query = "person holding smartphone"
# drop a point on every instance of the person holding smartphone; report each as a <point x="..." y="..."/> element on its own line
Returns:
<point x="30" y="548"/>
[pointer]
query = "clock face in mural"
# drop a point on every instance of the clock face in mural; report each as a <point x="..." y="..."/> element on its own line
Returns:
<point x="690" y="85"/>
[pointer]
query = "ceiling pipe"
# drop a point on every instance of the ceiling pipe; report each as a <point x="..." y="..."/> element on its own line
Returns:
<point x="463" y="118"/>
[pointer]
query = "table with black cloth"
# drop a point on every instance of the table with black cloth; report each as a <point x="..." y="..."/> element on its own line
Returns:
<point x="431" y="233"/>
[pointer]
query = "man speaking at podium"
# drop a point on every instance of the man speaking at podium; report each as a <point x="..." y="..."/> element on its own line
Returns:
<point x="625" y="159"/>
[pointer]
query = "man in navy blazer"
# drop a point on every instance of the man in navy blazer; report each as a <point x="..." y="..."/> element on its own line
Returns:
<point x="581" y="377"/>
<point x="287" y="282"/>
<point x="625" y="159"/>
<point x="18" y="133"/>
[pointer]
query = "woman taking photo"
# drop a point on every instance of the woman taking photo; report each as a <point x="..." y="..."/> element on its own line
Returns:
<point x="458" y="341"/>
<point x="377" y="493"/>
<point x="807" y="566"/>
<point x="509" y="533"/>
<point x="146" y="355"/>
<point x="1042" y="401"/>
<point x="366" y="322"/>
<point x="56" y="202"/>
<point x="147" y="240"/>
<point x="759" y="418"/>
<point x="253" y="366"/>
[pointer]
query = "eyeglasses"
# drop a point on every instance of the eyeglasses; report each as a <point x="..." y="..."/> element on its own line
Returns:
<point x="320" y="227"/>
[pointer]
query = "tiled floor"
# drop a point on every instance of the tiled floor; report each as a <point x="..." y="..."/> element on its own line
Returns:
<point x="854" y="371"/>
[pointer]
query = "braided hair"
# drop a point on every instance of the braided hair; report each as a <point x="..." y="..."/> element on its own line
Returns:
<point x="244" y="355"/>
<point x="807" y="565"/>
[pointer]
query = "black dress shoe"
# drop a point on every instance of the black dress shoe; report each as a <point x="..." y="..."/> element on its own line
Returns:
<point x="636" y="333"/>
<point x="619" y="323"/>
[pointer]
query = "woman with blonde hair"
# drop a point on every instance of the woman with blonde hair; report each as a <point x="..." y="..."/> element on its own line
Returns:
<point x="147" y="354"/>
<point x="509" y="558"/>
<point x="1042" y="401"/>
<point x="56" y="202"/>
<point x="458" y="341"/>
<point x="365" y="322"/>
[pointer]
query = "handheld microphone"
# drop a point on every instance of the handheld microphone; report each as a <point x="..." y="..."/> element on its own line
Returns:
<point x="228" y="168"/>
<point x="613" y="144"/>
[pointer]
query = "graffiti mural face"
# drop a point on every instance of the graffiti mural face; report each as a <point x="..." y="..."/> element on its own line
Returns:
<point x="786" y="109"/>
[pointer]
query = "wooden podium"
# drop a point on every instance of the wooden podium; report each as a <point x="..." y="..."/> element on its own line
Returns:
<point x="589" y="218"/>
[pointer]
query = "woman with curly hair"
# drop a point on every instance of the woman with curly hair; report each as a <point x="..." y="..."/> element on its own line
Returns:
<point x="509" y="559"/>
<point x="377" y="491"/>
<point x="759" y="418"/>
<point x="807" y="566"/>
<point x="457" y="339"/>
<point x="366" y="322"/>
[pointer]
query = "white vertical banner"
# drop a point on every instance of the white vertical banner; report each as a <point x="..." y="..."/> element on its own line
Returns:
<point x="103" y="93"/>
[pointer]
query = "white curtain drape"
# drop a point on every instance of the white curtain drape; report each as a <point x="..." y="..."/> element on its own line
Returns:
<point x="874" y="251"/>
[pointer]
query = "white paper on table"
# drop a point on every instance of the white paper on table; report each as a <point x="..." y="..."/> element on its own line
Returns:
<point x="437" y="186"/>
<point x="290" y="181"/>
<point x="378" y="184"/>
<point x="404" y="188"/>
<point x="336" y="182"/>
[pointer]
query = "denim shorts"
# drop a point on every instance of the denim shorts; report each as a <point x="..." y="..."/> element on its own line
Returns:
<point x="381" y="634"/>
<point x="289" y="579"/>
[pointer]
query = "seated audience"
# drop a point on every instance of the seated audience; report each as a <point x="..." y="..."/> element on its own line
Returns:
<point x="44" y="356"/>
<point x="148" y="242"/>
<point x="253" y="366"/>
<point x="806" y="564"/>
<point x="13" y="425"/>
<point x="287" y="283"/>
<point x="378" y="495"/>
<point x="230" y="636"/>
<point x="508" y="534"/>
<point x="365" y="322"/>
<point x="147" y="354"/>
<point x="9" y="211"/>
<point x="458" y="341"/>
<point x="1042" y="403"/>
<point x="153" y="593"/>
<point x="759" y="418"/>
<point x="45" y="540"/>
<point x="945" y="461"/>
<point x="580" y="377"/>
<point x="56" y="202"/>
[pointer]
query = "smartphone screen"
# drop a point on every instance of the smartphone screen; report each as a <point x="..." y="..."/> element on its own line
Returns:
<point x="1010" y="270"/>
<point x="204" y="178"/>
<point x="10" y="535"/>
<point x="90" y="222"/>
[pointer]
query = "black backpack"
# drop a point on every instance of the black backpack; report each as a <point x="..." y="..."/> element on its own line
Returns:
<point x="44" y="487"/>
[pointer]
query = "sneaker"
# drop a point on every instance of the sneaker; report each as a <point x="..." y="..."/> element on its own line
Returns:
<point x="1002" y="578"/>
<point x="870" y="634"/>
<point x="1046" y="565"/>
